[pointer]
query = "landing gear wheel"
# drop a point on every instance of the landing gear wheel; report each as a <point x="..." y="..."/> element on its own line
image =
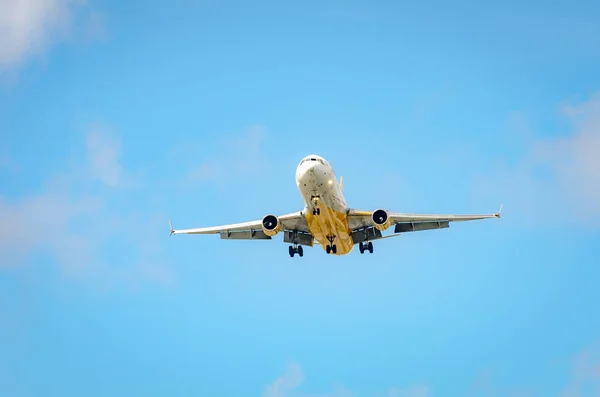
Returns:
<point x="366" y="246"/>
<point x="334" y="248"/>
<point x="293" y="249"/>
<point x="328" y="249"/>
<point x="318" y="211"/>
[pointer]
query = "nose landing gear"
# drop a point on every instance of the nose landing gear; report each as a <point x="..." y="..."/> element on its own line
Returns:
<point x="316" y="210"/>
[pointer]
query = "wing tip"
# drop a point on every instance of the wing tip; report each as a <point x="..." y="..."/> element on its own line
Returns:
<point x="499" y="213"/>
<point x="171" y="228"/>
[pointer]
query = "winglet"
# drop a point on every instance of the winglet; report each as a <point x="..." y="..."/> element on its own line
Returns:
<point x="341" y="183"/>
<point x="171" y="226"/>
<point x="499" y="213"/>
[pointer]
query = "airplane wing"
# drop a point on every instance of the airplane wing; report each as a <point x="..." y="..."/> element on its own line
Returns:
<point x="405" y="222"/>
<point x="294" y="223"/>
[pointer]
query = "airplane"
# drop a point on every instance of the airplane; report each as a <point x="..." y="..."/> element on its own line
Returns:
<point x="326" y="220"/>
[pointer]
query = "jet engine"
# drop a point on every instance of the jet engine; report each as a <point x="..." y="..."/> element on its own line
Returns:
<point x="271" y="225"/>
<point x="381" y="219"/>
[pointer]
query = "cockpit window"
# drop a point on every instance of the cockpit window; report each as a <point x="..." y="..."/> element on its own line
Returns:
<point x="312" y="159"/>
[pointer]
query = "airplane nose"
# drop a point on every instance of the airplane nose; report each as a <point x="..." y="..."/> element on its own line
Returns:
<point x="305" y="168"/>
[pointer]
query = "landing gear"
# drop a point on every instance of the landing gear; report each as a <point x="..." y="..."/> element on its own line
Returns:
<point x="293" y="249"/>
<point x="331" y="247"/>
<point x="316" y="209"/>
<point x="366" y="246"/>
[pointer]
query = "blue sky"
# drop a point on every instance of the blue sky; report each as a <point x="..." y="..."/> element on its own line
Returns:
<point x="116" y="117"/>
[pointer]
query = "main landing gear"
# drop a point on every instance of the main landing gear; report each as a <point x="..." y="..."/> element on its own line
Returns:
<point x="366" y="246"/>
<point x="296" y="249"/>
<point x="331" y="248"/>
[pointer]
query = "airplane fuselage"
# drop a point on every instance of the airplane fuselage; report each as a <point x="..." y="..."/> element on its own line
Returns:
<point x="325" y="208"/>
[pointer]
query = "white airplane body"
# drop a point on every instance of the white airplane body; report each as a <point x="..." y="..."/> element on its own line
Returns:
<point x="327" y="220"/>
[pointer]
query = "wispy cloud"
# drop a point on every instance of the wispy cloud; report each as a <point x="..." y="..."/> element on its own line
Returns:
<point x="232" y="156"/>
<point x="103" y="156"/>
<point x="89" y="232"/>
<point x="585" y="374"/>
<point x="484" y="387"/>
<point x="288" y="384"/>
<point x="29" y="27"/>
<point x="8" y="164"/>
<point x="554" y="175"/>
<point x="583" y="380"/>
<point x="413" y="391"/>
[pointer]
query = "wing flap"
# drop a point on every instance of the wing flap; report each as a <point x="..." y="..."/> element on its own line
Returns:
<point x="418" y="226"/>
<point x="245" y="235"/>
<point x="367" y="234"/>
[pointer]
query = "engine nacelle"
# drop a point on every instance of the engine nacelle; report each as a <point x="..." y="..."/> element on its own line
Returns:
<point x="381" y="219"/>
<point x="271" y="225"/>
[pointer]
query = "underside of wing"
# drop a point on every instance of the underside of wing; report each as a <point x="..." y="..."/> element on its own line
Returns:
<point x="293" y="226"/>
<point x="367" y="225"/>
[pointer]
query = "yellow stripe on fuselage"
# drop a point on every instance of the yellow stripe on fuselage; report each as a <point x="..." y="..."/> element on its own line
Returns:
<point x="330" y="223"/>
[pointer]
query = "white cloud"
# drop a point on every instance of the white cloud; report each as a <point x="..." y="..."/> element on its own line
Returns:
<point x="483" y="387"/>
<point x="285" y="384"/>
<point x="585" y="374"/>
<point x="583" y="380"/>
<point x="103" y="154"/>
<point x="29" y="27"/>
<point x="99" y="234"/>
<point x="574" y="158"/>
<point x="556" y="175"/>
<point x="288" y="384"/>
<point x="413" y="391"/>
<point x="8" y="164"/>
<point x="232" y="156"/>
